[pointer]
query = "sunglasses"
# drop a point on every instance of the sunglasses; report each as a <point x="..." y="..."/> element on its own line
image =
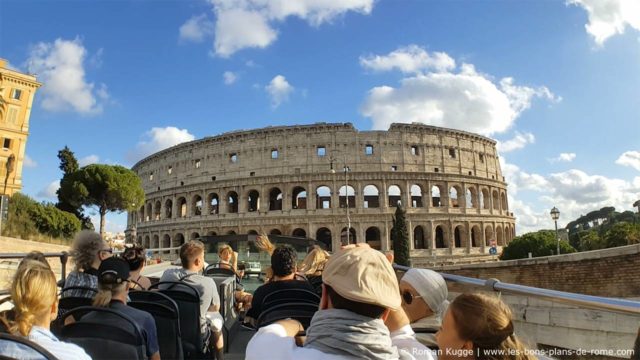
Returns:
<point x="110" y="251"/>
<point x="408" y="297"/>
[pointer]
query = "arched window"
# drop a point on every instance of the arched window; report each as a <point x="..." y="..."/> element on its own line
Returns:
<point x="418" y="238"/>
<point x="395" y="195"/>
<point x="214" y="204"/>
<point x="453" y="196"/>
<point x="253" y="199"/>
<point x="275" y="199"/>
<point x="371" y="197"/>
<point x="416" y="196"/>
<point x="323" y="197"/>
<point x="299" y="233"/>
<point x="324" y="235"/>
<point x="372" y="237"/>
<point x="344" y="193"/>
<point x="182" y="206"/>
<point x="350" y="239"/>
<point x="197" y="205"/>
<point x="168" y="208"/>
<point x="299" y="198"/>
<point x="440" y="241"/>
<point x="232" y="202"/>
<point x="157" y="210"/>
<point x="436" y="199"/>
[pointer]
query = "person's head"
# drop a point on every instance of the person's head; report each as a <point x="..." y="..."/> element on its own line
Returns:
<point x="35" y="296"/>
<point x="135" y="256"/>
<point x="476" y="323"/>
<point x="360" y="280"/>
<point x="424" y="293"/>
<point x="192" y="255"/>
<point x="283" y="261"/>
<point x="113" y="276"/>
<point x="225" y="252"/>
<point x="89" y="250"/>
<point x="314" y="261"/>
<point x="34" y="255"/>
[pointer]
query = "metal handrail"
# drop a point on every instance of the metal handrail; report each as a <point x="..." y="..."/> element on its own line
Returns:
<point x="624" y="306"/>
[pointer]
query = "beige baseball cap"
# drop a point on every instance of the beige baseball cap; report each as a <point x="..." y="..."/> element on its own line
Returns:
<point x="363" y="275"/>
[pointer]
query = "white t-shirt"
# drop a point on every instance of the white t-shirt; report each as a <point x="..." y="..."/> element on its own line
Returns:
<point x="273" y="341"/>
<point x="405" y="339"/>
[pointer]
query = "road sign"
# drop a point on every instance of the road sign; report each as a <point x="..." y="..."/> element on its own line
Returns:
<point x="493" y="250"/>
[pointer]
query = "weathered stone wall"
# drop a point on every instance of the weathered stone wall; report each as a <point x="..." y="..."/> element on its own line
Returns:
<point x="280" y="180"/>
<point x="12" y="245"/>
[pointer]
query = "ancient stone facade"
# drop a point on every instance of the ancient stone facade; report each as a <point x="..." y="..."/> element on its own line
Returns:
<point x="311" y="180"/>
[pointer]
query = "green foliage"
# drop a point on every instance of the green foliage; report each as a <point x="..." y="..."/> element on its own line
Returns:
<point x="621" y="234"/>
<point x="68" y="161"/>
<point x="28" y="219"/>
<point x="400" y="238"/>
<point x="69" y="165"/>
<point x="107" y="187"/>
<point x="539" y="243"/>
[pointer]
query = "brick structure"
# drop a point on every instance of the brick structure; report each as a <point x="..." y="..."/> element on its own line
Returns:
<point x="291" y="180"/>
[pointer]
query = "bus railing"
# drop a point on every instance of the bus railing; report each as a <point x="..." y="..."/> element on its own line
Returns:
<point x="587" y="301"/>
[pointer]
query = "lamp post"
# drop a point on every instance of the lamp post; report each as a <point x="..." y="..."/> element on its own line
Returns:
<point x="346" y="192"/>
<point x="555" y="215"/>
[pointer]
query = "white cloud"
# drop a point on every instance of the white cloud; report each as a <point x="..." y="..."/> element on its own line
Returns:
<point x="158" y="139"/>
<point x="252" y="23"/>
<point x="279" y="90"/>
<point x="29" y="162"/>
<point x="88" y="160"/>
<point x="563" y="157"/>
<point x="410" y="59"/>
<point x="609" y="17"/>
<point x="60" y="67"/>
<point x="519" y="141"/>
<point x="465" y="100"/>
<point x="109" y="224"/>
<point x="229" y="77"/>
<point x="196" y="29"/>
<point x="521" y="180"/>
<point x="49" y="192"/>
<point x="630" y="158"/>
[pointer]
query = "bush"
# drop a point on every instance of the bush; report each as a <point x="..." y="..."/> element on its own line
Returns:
<point x="540" y="243"/>
<point x="621" y="234"/>
<point x="28" y="219"/>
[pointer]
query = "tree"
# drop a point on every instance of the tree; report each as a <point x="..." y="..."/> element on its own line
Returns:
<point x="107" y="187"/>
<point x="28" y="218"/>
<point x="621" y="234"/>
<point x="539" y="243"/>
<point x="69" y="165"/>
<point x="400" y="237"/>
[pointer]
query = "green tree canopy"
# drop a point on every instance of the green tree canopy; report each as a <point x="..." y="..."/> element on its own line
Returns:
<point x="539" y="243"/>
<point x="68" y="165"/>
<point x="68" y="161"/>
<point x="28" y="218"/>
<point x="621" y="234"/>
<point x="108" y="187"/>
<point x="400" y="238"/>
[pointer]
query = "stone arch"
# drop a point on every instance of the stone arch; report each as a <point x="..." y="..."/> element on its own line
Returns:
<point x="214" y="203"/>
<point x="182" y="207"/>
<point x="503" y="201"/>
<point x="141" y="214"/>
<point x="485" y="199"/>
<point x="371" y="196"/>
<point x="436" y="196"/>
<point x="323" y="235"/>
<point x="253" y="200"/>
<point x="166" y="244"/>
<point x="499" y="235"/>
<point x="194" y="235"/>
<point x="344" y="193"/>
<point x="149" y="214"/>
<point x="372" y="237"/>
<point x="212" y="233"/>
<point x="252" y="232"/>
<point x="232" y="202"/>
<point x="275" y="199"/>
<point x="196" y="205"/>
<point x="416" y="196"/>
<point x="418" y="238"/>
<point x="475" y="236"/>
<point x="441" y="241"/>
<point x="394" y="194"/>
<point x="299" y="233"/>
<point x="141" y="242"/>
<point x="488" y="235"/>
<point x="460" y="236"/>
<point x="168" y="209"/>
<point x="495" y="200"/>
<point x="157" y="210"/>
<point x="299" y="198"/>
<point x="147" y="240"/>
<point x="177" y="241"/>
<point x="472" y="197"/>
<point x="352" y="236"/>
<point x="323" y="197"/>
<point x="455" y="194"/>
<point x="231" y="232"/>
<point x="275" y="232"/>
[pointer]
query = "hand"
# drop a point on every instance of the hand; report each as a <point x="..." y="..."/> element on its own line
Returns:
<point x="396" y="320"/>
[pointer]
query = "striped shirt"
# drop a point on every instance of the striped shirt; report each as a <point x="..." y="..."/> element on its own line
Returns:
<point x="47" y="340"/>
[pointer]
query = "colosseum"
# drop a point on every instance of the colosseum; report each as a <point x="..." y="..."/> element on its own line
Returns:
<point x="312" y="180"/>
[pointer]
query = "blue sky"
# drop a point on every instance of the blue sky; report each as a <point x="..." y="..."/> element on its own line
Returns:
<point x="556" y="83"/>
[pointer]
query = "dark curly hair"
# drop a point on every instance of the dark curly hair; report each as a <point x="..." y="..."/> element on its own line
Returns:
<point x="135" y="256"/>
<point x="283" y="260"/>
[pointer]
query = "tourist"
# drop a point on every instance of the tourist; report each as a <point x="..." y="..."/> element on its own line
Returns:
<point x="192" y="258"/>
<point x="424" y="299"/>
<point x="34" y="293"/>
<point x="312" y="267"/>
<point x="135" y="256"/>
<point x="265" y="245"/>
<point x="359" y="291"/>
<point x="88" y="251"/>
<point x="113" y="289"/>
<point x="34" y="255"/>
<point x="284" y="267"/>
<point x="229" y="260"/>
<point x="478" y="326"/>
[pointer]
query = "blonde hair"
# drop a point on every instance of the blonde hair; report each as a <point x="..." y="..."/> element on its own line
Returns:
<point x="264" y="244"/>
<point x="314" y="262"/>
<point x="223" y="248"/>
<point x="487" y="322"/>
<point x="86" y="247"/>
<point x="106" y="291"/>
<point x="34" y="291"/>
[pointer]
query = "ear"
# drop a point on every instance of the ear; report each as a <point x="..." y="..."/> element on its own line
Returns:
<point x="468" y="345"/>
<point x="324" y="300"/>
<point x="385" y="314"/>
<point x="54" y="309"/>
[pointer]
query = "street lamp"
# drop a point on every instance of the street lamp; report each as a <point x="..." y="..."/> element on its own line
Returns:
<point x="555" y="215"/>
<point x="346" y="191"/>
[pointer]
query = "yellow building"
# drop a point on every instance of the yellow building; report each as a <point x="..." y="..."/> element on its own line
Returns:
<point x="17" y="91"/>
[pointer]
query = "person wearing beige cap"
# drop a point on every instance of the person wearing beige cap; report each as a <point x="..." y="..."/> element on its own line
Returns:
<point x="360" y="289"/>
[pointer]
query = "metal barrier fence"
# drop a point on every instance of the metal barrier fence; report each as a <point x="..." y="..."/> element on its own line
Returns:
<point x="587" y="301"/>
